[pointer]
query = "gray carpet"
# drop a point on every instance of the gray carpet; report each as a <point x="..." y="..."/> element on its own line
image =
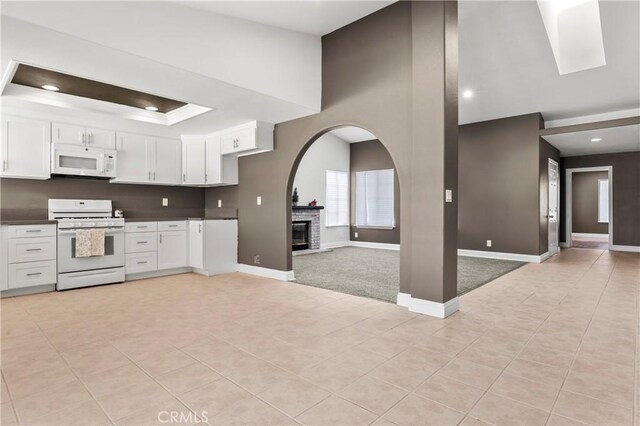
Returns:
<point x="376" y="273"/>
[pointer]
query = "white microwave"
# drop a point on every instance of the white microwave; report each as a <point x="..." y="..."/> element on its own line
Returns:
<point x="83" y="161"/>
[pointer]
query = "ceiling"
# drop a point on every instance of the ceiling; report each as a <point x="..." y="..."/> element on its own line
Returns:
<point x="311" y="17"/>
<point x="353" y="134"/>
<point x="506" y="59"/>
<point x="27" y="75"/>
<point x="613" y="139"/>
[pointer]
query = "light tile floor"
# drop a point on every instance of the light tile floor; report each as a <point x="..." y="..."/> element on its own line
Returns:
<point x="555" y="343"/>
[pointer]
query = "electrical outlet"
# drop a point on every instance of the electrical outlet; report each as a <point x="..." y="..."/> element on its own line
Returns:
<point x="219" y="203"/>
<point x="448" y="196"/>
<point x="488" y="243"/>
<point x="259" y="200"/>
<point x="256" y="259"/>
<point x="165" y="202"/>
<point x="355" y="235"/>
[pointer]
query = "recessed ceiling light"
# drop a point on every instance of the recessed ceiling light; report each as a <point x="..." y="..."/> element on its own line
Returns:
<point x="151" y="108"/>
<point x="596" y="139"/>
<point x="467" y="94"/>
<point x="50" y="87"/>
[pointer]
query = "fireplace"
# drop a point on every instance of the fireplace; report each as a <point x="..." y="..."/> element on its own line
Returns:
<point x="300" y="234"/>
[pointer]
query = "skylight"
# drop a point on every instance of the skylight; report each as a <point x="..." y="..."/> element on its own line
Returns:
<point x="575" y="33"/>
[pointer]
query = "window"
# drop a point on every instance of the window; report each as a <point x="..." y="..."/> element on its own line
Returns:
<point x="337" y="203"/>
<point x="603" y="201"/>
<point x="374" y="199"/>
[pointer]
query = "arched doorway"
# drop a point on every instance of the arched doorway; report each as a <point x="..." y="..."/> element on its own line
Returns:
<point x="344" y="202"/>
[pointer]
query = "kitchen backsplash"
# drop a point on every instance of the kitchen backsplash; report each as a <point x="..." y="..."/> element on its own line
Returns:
<point x="22" y="199"/>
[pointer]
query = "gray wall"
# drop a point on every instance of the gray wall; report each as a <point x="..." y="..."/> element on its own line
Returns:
<point x="393" y="73"/>
<point x="547" y="151"/>
<point x="229" y="197"/>
<point x="626" y="193"/>
<point x="372" y="155"/>
<point x="499" y="185"/>
<point x="584" y="205"/>
<point x="22" y="199"/>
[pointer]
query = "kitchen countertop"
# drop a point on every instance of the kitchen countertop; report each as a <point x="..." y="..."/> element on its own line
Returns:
<point x="165" y="219"/>
<point x="28" y="222"/>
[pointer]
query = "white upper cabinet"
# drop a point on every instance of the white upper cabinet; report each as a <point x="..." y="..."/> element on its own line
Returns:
<point x="193" y="160"/>
<point x="167" y="167"/>
<point x="101" y="138"/>
<point x="220" y="169"/>
<point x="133" y="164"/>
<point x="148" y="159"/>
<point x="250" y="138"/>
<point x="72" y="134"/>
<point x="25" y="148"/>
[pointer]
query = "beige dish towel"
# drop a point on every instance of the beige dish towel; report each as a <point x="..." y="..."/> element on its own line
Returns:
<point x="90" y="242"/>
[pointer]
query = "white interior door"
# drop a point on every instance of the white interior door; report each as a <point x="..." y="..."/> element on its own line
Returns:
<point x="554" y="204"/>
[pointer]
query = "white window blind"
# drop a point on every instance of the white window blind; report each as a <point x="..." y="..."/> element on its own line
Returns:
<point x="374" y="199"/>
<point x="603" y="201"/>
<point x="337" y="203"/>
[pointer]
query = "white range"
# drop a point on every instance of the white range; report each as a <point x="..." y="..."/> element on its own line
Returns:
<point x="74" y="272"/>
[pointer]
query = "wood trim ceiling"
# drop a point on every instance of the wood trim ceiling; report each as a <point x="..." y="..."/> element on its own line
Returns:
<point x="27" y="75"/>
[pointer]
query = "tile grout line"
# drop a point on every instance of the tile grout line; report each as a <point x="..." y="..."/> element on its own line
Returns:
<point x="593" y="312"/>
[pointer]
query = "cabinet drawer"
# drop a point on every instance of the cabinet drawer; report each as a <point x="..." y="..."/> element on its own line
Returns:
<point x="180" y="225"/>
<point x="32" y="274"/>
<point x="31" y="249"/>
<point x="141" y="262"/>
<point x="140" y="242"/>
<point x="141" y="226"/>
<point x="26" y="231"/>
<point x="238" y="141"/>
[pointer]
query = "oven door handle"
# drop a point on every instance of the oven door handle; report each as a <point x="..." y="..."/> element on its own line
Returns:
<point x="110" y="231"/>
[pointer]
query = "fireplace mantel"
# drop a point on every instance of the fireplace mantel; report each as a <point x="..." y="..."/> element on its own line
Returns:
<point x="307" y="207"/>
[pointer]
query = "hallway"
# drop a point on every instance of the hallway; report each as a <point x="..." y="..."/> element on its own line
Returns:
<point x="551" y="343"/>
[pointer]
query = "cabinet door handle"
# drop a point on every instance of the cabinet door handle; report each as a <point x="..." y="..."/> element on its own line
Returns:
<point x="149" y="173"/>
<point x="141" y="263"/>
<point x="34" y="249"/>
<point x="160" y="238"/>
<point x="184" y="177"/>
<point x="142" y="242"/>
<point x="199" y="228"/>
<point x="34" y="274"/>
<point x="33" y="230"/>
<point x="154" y="176"/>
<point x="4" y="165"/>
<point x="141" y="226"/>
<point x="84" y="139"/>
<point x="172" y="226"/>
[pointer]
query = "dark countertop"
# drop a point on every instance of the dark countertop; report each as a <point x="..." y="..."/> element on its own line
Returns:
<point x="167" y="219"/>
<point x="28" y="222"/>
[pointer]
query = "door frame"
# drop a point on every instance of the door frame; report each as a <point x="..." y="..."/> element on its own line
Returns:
<point x="569" y="199"/>
<point x="551" y="161"/>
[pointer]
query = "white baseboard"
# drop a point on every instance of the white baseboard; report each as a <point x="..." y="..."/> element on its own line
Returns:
<point x="156" y="274"/>
<point x="603" y="237"/>
<point x="404" y="299"/>
<point x="365" y="244"/>
<point x="334" y="245"/>
<point x="266" y="272"/>
<point x="503" y="256"/>
<point x="632" y="249"/>
<point x="544" y="256"/>
<point x="427" y="307"/>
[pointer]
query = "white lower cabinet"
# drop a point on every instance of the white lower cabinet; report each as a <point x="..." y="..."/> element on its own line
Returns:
<point x="28" y="255"/>
<point x="32" y="274"/>
<point x="172" y="249"/>
<point x="141" y="262"/>
<point x="213" y="246"/>
<point x="155" y="246"/>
